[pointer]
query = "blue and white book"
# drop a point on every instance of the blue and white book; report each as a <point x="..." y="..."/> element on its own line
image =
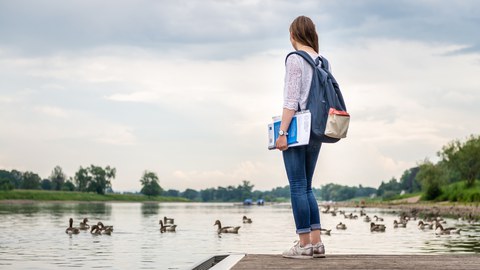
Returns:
<point x="298" y="131"/>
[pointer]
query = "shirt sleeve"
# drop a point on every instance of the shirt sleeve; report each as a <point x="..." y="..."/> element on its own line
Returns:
<point x="293" y="82"/>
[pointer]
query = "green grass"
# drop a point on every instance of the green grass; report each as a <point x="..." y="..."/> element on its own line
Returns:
<point x="459" y="192"/>
<point x="44" y="195"/>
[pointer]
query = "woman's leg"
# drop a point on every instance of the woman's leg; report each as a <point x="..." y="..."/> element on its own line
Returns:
<point x="312" y="154"/>
<point x="294" y="159"/>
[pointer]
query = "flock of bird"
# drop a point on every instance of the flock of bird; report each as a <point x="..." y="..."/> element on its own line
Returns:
<point x="166" y="225"/>
<point x="432" y="223"/>
<point x="97" y="229"/>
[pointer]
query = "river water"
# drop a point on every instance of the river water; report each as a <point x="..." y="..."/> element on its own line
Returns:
<point x="32" y="235"/>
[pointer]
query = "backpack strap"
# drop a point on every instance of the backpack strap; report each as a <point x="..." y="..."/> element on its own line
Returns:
<point x="324" y="67"/>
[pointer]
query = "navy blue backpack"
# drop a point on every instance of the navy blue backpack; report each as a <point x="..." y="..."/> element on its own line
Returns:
<point x="324" y="95"/>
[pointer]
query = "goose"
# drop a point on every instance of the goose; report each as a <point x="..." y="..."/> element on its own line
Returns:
<point x="84" y="225"/>
<point x="422" y="225"/>
<point x="228" y="229"/>
<point x="71" y="229"/>
<point x="377" y="227"/>
<point x="325" y="231"/>
<point x="401" y="224"/>
<point x="167" y="228"/>
<point x="168" y="220"/>
<point x="451" y="230"/>
<point x="341" y="226"/>
<point x="104" y="227"/>
<point x="247" y="220"/>
<point x="377" y="218"/>
<point x="95" y="230"/>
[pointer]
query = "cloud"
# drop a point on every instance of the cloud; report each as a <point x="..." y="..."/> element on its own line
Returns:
<point x="213" y="29"/>
<point x="185" y="88"/>
<point x="52" y="111"/>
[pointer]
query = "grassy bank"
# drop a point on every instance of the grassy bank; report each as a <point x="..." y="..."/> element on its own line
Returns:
<point x="43" y="195"/>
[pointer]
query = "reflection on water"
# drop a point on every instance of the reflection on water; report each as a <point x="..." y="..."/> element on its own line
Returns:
<point x="149" y="209"/>
<point x="33" y="235"/>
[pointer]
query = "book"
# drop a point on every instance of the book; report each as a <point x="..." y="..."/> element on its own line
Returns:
<point x="298" y="131"/>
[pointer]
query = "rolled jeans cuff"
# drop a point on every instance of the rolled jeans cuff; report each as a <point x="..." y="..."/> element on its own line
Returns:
<point x="315" y="227"/>
<point x="302" y="231"/>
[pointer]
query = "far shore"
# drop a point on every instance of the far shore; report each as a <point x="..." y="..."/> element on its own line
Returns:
<point x="413" y="206"/>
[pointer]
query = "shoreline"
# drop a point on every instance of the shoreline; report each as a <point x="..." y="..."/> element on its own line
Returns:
<point x="425" y="209"/>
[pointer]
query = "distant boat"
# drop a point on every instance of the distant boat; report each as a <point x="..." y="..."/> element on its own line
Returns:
<point x="247" y="202"/>
<point x="260" y="202"/>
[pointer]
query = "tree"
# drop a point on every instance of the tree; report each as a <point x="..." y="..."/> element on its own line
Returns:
<point x="409" y="182"/>
<point x="190" y="194"/>
<point x="68" y="186"/>
<point x="17" y="178"/>
<point x="100" y="179"/>
<point x="6" y="180"/>
<point x="172" y="193"/>
<point x="46" y="184"/>
<point x="57" y="178"/>
<point x="432" y="178"/>
<point x="464" y="158"/>
<point x="150" y="186"/>
<point x="94" y="178"/>
<point x="82" y="178"/>
<point x="30" y="180"/>
<point x="393" y="186"/>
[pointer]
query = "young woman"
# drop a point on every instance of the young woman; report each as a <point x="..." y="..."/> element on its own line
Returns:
<point x="300" y="161"/>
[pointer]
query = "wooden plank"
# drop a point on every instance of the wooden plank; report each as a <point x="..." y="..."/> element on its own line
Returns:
<point x="424" y="262"/>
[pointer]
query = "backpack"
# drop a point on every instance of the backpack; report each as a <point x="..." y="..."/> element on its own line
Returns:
<point x="325" y="102"/>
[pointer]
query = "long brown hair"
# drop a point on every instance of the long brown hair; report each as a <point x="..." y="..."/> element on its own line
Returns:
<point x="303" y="31"/>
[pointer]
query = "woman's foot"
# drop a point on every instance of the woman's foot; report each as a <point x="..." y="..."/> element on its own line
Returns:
<point x="298" y="252"/>
<point x="318" y="250"/>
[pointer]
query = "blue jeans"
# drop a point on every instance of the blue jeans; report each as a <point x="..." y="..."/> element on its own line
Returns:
<point x="300" y="164"/>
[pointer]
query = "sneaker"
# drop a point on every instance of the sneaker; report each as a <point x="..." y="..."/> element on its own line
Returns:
<point x="298" y="252"/>
<point x="318" y="250"/>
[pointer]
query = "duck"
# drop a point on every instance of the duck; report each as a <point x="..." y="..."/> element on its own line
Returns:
<point x="246" y="220"/>
<point x="228" y="229"/>
<point x="104" y="227"/>
<point x="422" y="225"/>
<point x="341" y="226"/>
<point x="377" y="227"/>
<point x="400" y="224"/>
<point x="367" y="219"/>
<point x="168" y="220"/>
<point x="325" y="231"/>
<point x="167" y="228"/>
<point x="451" y="230"/>
<point x="84" y="225"/>
<point x="95" y="230"/>
<point x="71" y="229"/>
<point x="377" y="218"/>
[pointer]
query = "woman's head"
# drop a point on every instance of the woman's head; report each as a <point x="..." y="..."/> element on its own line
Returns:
<point x="302" y="30"/>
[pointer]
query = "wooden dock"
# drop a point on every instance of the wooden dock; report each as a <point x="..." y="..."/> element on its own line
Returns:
<point x="424" y="262"/>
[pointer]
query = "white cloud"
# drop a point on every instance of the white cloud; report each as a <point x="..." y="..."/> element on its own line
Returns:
<point x="188" y="93"/>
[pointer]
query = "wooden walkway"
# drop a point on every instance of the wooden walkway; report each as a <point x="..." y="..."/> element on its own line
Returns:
<point x="424" y="262"/>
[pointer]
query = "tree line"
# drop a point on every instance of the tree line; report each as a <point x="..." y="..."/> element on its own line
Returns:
<point x="459" y="164"/>
<point x="452" y="178"/>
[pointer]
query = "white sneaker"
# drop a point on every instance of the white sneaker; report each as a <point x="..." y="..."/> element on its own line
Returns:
<point x="318" y="250"/>
<point x="298" y="252"/>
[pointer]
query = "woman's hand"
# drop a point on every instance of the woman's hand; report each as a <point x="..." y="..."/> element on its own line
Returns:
<point x="281" y="143"/>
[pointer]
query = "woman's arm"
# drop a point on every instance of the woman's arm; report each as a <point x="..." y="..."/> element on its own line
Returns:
<point x="287" y="116"/>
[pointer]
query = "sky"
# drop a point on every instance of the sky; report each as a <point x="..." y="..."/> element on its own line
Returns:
<point x="186" y="88"/>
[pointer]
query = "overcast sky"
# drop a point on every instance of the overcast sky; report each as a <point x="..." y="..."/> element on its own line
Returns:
<point x="186" y="88"/>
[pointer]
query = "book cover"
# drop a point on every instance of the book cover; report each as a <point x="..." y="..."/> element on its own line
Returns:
<point x="298" y="131"/>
